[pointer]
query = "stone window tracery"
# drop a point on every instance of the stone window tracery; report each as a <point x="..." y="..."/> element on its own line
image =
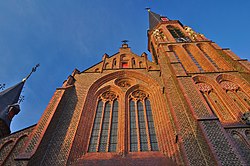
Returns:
<point x="141" y="130"/>
<point x="238" y="96"/>
<point x="124" y="83"/>
<point x="142" y="135"/>
<point x="104" y="131"/>
<point x="214" y="101"/>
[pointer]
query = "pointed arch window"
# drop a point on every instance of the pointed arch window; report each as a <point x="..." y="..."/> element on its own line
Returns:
<point x="215" y="103"/>
<point x="237" y="95"/>
<point x="142" y="135"/>
<point x="104" y="131"/>
<point x="178" y="34"/>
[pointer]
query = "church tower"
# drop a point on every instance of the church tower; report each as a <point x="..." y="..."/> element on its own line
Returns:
<point x="190" y="106"/>
<point x="208" y="90"/>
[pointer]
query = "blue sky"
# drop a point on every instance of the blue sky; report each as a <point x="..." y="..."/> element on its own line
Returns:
<point x="63" y="35"/>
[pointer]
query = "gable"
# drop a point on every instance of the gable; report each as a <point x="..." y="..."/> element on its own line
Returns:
<point x="124" y="59"/>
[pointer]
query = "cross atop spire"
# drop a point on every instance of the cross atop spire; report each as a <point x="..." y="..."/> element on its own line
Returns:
<point x="32" y="71"/>
<point x="125" y="41"/>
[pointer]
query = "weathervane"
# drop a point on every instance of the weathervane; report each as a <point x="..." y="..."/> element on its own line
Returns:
<point x="125" y="41"/>
<point x="32" y="71"/>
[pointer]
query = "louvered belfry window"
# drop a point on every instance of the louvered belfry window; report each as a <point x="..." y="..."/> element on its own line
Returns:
<point x="177" y="34"/>
<point x="142" y="135"/>
<point x="104" y="130"/>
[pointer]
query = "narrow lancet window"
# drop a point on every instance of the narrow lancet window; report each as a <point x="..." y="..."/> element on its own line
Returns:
<point x="104" y="131"/>
<point x="133" y="127"/>
<point x="142" y="131"/>
<point x="114" y="127"/>
<point x="96" y="128"/>
<point x="105" y="128"/>
<point x="151" y="128"/>
<point x="142" y="127"/>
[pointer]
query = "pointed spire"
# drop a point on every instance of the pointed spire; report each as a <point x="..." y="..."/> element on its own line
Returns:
<point x="9" y="104"/>
<point x="155" y="19"/>
<point x="9" y="107"/>
<point x="10" y="95"/>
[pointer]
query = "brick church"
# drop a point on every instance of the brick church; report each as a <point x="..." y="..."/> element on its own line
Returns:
<point x="189" y="106"/>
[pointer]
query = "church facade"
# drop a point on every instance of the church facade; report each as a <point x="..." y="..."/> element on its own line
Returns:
<point x="190" y="106"/>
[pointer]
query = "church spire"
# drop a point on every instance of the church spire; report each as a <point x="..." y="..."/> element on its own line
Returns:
<point x="9" y="107"/>
<point x="155" y="19"/>
<point x="9" y="104"/>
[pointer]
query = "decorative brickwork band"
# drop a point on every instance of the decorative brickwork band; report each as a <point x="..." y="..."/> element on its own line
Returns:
<point x="225" y="151"/>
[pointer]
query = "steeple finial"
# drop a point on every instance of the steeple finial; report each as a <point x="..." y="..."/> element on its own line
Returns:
<point x="32" y="71"/>
<point x="125" y="44"/>
<point x="125" y="41"/>
<point x="148" y="9"/>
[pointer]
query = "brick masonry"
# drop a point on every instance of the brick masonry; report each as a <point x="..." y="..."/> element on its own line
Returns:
<point x="198" y="94"/>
